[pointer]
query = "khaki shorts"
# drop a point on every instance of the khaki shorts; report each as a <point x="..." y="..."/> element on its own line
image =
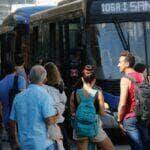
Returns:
<point x="101" y="133"/>
<point x="100" y="137"/>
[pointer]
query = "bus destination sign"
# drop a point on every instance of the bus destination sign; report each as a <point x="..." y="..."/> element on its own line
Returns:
<point x="125" y="7"/>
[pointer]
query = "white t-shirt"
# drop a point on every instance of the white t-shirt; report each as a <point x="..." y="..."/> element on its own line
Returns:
<point x="60" y="100"/>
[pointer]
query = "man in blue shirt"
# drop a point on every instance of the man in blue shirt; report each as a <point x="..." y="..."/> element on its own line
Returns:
<point x="33" y="110"/>
<point x="6" y="84"/>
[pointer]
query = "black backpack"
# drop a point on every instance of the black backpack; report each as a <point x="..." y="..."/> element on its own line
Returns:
<point x="142" y="97"/>
<point x="13" y="91"/>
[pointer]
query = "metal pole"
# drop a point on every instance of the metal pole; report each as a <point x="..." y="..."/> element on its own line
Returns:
<point x="10" y="3"/>
<point x="146" y="53"/>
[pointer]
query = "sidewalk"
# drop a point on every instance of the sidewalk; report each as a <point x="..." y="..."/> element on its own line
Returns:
<point x="4" y="145"/>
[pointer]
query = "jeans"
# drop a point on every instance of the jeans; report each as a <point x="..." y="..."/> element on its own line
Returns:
<point x="133" y="132"/>
<point x="145" y="133"/>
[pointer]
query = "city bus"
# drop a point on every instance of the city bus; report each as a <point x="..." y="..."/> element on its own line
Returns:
<point x="100" y="29"/>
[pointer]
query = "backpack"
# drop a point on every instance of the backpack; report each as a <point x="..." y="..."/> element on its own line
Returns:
<point x="86" y="117"/>
<point x="142" y="97"/>
<point x="13" y="91"/>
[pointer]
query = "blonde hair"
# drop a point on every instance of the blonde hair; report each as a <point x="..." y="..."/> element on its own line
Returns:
<point x="53" y="74"/>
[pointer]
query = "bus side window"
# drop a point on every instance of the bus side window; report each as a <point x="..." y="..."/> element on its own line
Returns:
<point x="52" y="39"/>
<point x="34" y="40"/>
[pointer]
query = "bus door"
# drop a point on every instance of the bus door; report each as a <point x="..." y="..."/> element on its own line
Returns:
<point x="34" y="44"/>
<point x="71" y="49"/>
<point x="52" y="41"/>
<point x="7" y="49"/>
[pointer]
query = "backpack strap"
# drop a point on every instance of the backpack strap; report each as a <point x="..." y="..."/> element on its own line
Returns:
<point x="15" y="83"/>
<point x="96" y="102"/>
<point x="13" y="91"/>
<point x="77" y="100"/>
<point x="131" y="79"/>
<point x="146" y="79"/>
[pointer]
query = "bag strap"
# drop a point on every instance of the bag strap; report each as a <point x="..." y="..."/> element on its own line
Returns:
<point x="75" y="99"/>
<point x="15" y="83"/>
<point x="96" y="102"/>
<point x="146" y="79"/>
<point x="131" y="79"/>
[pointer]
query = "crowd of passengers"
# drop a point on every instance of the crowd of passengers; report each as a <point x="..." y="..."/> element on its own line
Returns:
<point x="34" y="117"/>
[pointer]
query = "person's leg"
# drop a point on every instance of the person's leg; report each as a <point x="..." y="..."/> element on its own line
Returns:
<point x="144" y="129"/>
<point x="65" y="136"/>
<point x="106" y="144"/>
<point x="102" y="140"/>
<point x="82" y="144"/>
<point x="136" y="141"/>
<point x="147" y="142"/>
<point x="132" y="131"/>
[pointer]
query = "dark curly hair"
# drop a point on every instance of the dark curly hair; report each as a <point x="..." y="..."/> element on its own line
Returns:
<point x="139" y="67"/>
<point x="9" y="67"/>
<point x="88" y="73"/>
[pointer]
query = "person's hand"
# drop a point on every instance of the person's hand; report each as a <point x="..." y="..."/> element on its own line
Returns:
<point x="73" y="114"/>
<point x="121" y="128"/>
<point x="55" y="118"/>
<point x="52" y="119"/>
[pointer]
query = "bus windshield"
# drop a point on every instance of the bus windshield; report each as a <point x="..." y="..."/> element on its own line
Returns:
<point x="108" y="43"/>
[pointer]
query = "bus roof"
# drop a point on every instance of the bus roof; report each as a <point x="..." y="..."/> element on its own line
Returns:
<point x="20" y="16"/>
<point x="60" y="10"/>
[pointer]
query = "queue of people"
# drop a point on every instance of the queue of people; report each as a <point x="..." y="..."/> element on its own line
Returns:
<point x="34" y="118"/>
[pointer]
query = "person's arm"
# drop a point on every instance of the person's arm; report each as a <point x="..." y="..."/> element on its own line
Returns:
<point x="72" y="104"/>
<point x="12" y="124"/>
<point x="13" y="135"/>
<point x="101" y="103"/>
<point x="124" y="86"/>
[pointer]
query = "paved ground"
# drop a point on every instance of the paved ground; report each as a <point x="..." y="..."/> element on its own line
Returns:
<point x="4" y="145"/>
<point x="118" y="147"/>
